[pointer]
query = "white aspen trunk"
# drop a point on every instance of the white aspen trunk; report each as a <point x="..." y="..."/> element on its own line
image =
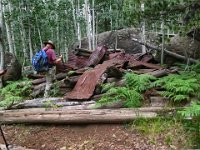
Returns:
<point x="11" y="29"/>
<point x="111" y="21"/>
<point x="163" y="41"/>
<point x="143" y="31"/>
<point x="30" y="43"/>
<point x="22" y="33"/>
<point x="78" y="25"/>
<point x="8" y="32"/>
<point x="57" y="36"/>
<point x="1" y="43"/>
<point x="39" y="33"/>
<point x="88" y="22"/>
<point x="74" y="17"/>
<point x="93" y="26"/>
<point x="96" y="29"/>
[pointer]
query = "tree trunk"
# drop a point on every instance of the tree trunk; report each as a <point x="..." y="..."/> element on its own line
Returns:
<point x="74" y="17"/>
<point x="30" y="44"/>
<point x="8" y="32"/>
<point x="88" y="23"/>
<point x="78" y="25"/>
<point x="143" y="31"/>
<point x="93" y="26"/>
<point x="1" y="43"/>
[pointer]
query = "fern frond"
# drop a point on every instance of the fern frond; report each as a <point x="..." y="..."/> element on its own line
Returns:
<point x="192" y="110"/>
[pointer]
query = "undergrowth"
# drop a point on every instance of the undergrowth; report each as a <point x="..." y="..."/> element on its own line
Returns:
<point x="130" y="94"/>
<point x="14" y="92"/>
<point x="173" y="131"/>
<point x="175" y="87"/>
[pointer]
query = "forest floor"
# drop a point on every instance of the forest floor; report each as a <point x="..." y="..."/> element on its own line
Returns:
<point x="93" y="137"/>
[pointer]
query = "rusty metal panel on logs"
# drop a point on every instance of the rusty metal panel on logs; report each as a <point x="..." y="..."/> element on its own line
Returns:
<point x="76" y="62"/>
<point x="97" y="55"/>
<point x="87" y="82"/>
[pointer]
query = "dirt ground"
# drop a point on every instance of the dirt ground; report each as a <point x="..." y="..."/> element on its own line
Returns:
<point x="86" y="137"/>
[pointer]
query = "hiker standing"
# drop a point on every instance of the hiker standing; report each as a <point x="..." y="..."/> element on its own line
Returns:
<point x="49" y="48"/>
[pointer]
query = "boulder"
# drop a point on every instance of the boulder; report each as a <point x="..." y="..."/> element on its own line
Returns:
<point x="14" y="68"/>
<point x="120" y="39"/>
<point x="185" y="45"/>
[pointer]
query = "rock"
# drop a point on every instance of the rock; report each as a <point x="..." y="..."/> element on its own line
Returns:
<point x="183" y="45"/>
<point x="14" y="68"/>
<point x="124" y="40"/>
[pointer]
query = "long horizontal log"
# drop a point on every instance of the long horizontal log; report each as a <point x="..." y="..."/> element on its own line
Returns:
<point x="48" y="102"/>
<point x="166" y="51"/>
<point x="59" y="76"/>
<point x="78" y="116"/>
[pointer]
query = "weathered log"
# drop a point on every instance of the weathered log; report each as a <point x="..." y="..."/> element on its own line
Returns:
<point x="48" y="102"/>
<point x="71" y="81"/>
<point x="38" y="89"/>
<point x="38" y="81"/>
<point x="142" y="71"/>
<point x="64" y="116"/>
<point x="110" y="80"/>
<point x="35" y="76"/>
<point x="166" y="51"/>
<point x="39" y="86"/>
<point x="159" y="73"/>
<point x="59" y="76"/>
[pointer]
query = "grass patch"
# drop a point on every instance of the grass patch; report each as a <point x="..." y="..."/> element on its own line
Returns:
<point x="175" y="133"/>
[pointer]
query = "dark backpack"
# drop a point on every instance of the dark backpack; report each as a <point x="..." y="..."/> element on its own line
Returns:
<point x="40" y="61"/>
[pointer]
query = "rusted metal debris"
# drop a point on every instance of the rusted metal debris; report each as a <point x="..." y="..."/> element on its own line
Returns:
<point x="97" y="55"/>
<point x="87" y="82"/>
<point x="92" y="68"/>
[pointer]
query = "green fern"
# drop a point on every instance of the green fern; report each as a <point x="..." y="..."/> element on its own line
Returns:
<point x="13" y="92"/>
<point x="106" y="87"/>
<point x="140" y="83"/>
<point x="193" y="110"/>
<point x="131" y="98"/>
<point x="177" y="87"/>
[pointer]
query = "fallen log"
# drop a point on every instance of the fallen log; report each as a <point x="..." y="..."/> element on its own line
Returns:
<point x="35" y="76"/>
<point x="159" y="73"/>
<point x="70" y="82"/>
<point x="59" y="76"/>
<point x="166" y="51"/>
<point x="38" y="89"/>
<point x="142" y="71"/>
<point x="64" y="116"/>
<point x="48" y="102"/>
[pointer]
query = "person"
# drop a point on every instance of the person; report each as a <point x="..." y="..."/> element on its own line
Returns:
<point x="49" y="48"/>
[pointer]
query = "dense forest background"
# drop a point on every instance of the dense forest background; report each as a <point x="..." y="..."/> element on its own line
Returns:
<point x="26" y="24"/>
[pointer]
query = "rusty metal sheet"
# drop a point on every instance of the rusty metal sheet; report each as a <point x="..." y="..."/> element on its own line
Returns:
<point x="97" y="55"/>
<point x="76" y="62"/>
<point x="87" y="82"/>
